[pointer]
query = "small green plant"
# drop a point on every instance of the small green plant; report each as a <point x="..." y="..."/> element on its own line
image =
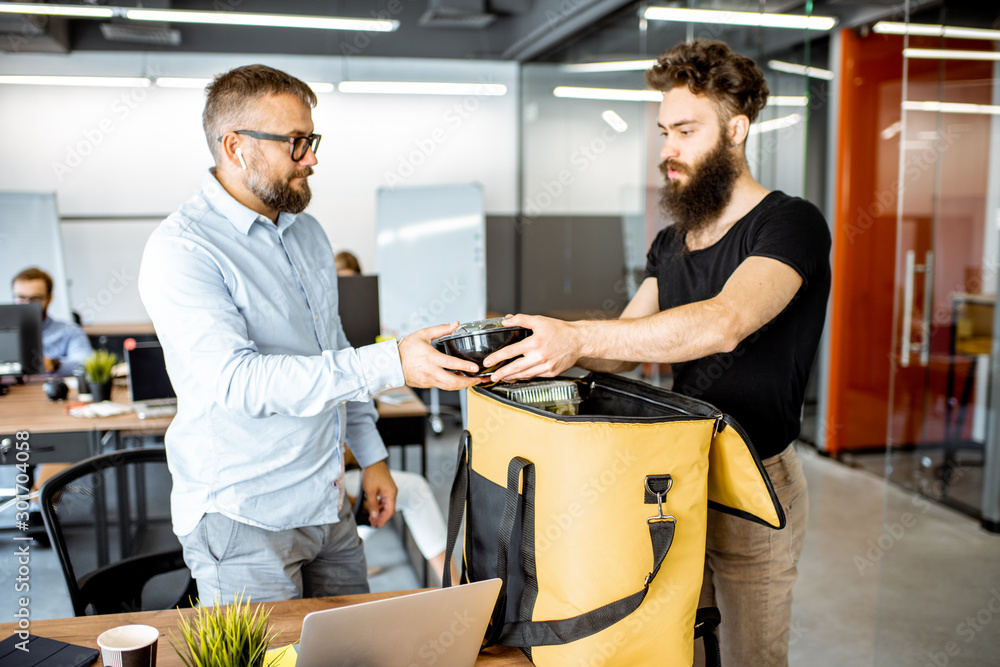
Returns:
<point x="98" y="366"/>
<point x="232" y="636"/>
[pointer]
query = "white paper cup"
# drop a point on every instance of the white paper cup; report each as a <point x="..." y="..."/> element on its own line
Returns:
<point x="129" y="646"/>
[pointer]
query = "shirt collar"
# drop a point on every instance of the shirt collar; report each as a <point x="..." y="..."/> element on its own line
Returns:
<point x="241" y="217"/>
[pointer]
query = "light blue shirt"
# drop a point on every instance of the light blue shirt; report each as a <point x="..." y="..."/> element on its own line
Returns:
<point x="65" y="342"/>
<point x="267" y="383"/>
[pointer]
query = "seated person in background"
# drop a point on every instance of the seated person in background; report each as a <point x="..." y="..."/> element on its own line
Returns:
<point x="347" y="264"/>
<point x="415" y="500"/>
<point x="64" y="344"/>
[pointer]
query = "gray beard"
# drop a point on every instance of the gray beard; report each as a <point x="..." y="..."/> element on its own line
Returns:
<point x="278" y="196"/>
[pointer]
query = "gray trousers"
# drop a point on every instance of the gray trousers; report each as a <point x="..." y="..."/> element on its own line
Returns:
<point x="227" y="557"/>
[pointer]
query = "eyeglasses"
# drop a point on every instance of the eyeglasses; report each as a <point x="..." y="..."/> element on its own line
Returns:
<point x="299" y="144"/>
<point x="28" y="299"/>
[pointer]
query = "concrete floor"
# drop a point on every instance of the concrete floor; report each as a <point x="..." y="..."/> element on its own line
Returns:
<point x="886" y="577"/>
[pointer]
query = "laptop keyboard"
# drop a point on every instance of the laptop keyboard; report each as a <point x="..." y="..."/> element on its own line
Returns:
<point x="154" y="411"/>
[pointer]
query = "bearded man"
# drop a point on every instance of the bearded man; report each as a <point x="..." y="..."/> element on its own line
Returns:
<point x="735" y="299"/>
<point x="241" y="286"/>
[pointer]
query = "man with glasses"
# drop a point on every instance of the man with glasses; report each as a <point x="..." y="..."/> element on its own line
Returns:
<point x="65" y="346"/>
<point x="242" y="289"/>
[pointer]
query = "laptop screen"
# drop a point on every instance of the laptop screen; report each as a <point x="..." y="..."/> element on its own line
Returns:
<point x="147" y="373"/>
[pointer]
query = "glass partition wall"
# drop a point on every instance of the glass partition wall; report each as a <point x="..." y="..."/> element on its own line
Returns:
<point x="590" y="152"/>
<point x="946" y="260"/>
<point x="942" y="128"/>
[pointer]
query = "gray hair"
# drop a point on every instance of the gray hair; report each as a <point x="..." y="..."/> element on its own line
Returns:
<point x="229" y="103"/>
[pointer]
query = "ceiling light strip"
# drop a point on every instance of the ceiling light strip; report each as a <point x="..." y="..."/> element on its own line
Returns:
<point x="99" y="81"/>
<point x="181" y="82"/>
<point x="775" y="124"/>
<point x="929" y="30"/>
<point x="196" y="82"/>
<point x="787" y="101"/>
<point x="615" y="94"/>
<point x="78" y="11"/>
<point x="422" y="88"/>
<point x="615" y="66"/>
<point x="214" y="18"/>
<point x="951" y="54"/>
<point x="321" y="86"/>
<point x="953" y="107"/>
<point x="802" y="70"/>
<point x="267" y="20"/>
<point x="631" y="95"/>
<point x="794" y="21"/>
<point x="616" y="122"/>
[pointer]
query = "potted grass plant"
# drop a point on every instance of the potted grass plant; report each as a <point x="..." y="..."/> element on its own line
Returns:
<point x="98" y="371"/>
<point x="236" y="635"/>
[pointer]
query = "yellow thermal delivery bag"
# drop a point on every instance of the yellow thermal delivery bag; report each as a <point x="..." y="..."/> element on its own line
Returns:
<point x="596" y="522"/>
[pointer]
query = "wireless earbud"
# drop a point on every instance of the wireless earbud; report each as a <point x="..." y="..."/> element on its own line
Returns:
<point x="239" y="154"/>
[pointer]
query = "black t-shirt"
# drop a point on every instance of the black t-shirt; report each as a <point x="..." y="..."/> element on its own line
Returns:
<point x="762" y="382"/>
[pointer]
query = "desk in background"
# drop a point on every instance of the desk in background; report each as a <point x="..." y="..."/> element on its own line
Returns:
<point x="972" y="338"/>
<point x="56" y="437"/>
<point x="286" y="618"/>
<point x="402" y="421"/>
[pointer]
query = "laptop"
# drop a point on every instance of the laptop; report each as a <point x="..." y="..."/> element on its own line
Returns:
<point x="442" y="627"/>
<point x="148" y="384"/>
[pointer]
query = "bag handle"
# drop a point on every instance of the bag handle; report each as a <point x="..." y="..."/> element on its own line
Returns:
<point x="526" y="633"/>
<point x="504" y="537"/>
<point x="456" y="504"/>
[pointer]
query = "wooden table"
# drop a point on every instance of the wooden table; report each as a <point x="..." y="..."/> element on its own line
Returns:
<point x="57" y="437"/>
<point x="286" y="618"/>
<point x="131" y="329"/>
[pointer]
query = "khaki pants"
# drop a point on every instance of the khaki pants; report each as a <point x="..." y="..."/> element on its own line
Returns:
<point x="750" y="570"/>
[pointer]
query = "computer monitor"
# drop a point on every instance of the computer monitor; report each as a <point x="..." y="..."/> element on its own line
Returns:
<point x="359" y="308"/>
<point x="148" y="382"/>
<point x="21" y="339"/>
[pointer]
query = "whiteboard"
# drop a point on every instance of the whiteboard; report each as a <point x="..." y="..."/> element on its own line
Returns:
<point x="29" y="236"/>
<point x="431" y="252"/>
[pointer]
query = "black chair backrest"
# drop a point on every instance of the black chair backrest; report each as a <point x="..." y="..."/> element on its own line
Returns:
<point x="108" y="519"/>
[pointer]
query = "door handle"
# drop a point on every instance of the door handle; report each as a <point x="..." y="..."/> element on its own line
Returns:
<point x="904" y="334"/>
<point x="925" y="324"/>
<point x="906" y="344"/>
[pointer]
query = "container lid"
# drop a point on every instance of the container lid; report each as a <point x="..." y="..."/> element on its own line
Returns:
<point x="478" y="326"/>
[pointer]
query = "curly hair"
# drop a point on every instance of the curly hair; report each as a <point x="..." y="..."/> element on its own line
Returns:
<point x="734" y="82"/>
<point x="230" y="96"/>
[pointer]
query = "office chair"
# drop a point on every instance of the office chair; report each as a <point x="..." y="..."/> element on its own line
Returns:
<point x="971" y="337"/>
<point x="108" y="519"/>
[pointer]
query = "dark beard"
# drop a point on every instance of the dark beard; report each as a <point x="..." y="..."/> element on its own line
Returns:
<point x="280" y="196"/>
<point x="710" y="186"/>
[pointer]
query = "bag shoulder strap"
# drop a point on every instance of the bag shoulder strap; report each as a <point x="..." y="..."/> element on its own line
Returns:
<point x="527" y="633"/>
<point x="456" y="504"/>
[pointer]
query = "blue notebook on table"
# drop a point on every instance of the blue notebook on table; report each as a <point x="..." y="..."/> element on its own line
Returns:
<point x="44" y="652"/>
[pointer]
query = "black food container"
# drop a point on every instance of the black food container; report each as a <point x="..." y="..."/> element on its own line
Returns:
<point x="474" y="341"/>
